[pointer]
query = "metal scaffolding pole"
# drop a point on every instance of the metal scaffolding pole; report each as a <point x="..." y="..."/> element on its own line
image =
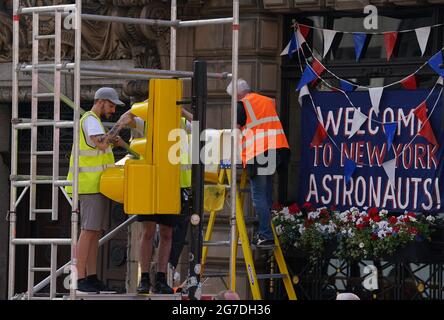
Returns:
<point x="76" y="137"/>
<point x="173" y="36"/>
<point x="14" y="137"/>
<point x="234" y="144"/>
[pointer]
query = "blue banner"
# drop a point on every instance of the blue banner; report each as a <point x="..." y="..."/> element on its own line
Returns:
<point x="417" y="185"/>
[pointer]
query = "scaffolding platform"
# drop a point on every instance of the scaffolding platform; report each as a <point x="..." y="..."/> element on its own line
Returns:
<point x="125" y="296"/>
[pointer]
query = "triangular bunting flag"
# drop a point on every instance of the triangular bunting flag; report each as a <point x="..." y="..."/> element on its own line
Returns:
<point x="347" y="86"/>
<point x="422" y="34"/>
<point x="390" y="129"/>
<point x="319" y="136"/>
<point x="349" y="168"/>
<point x="317" y="67"/>
<point x="294" y="46"/>
<point x="359" y="39"/>
<point x="358" y="119"/>
<point x="409" y="82"/>
<point x="426" y="129"/>
<point x="304" y="91"/>
<point x="329" y="36"/>
<point x="389" y="168"/>
<point x="375" y="97"/>
<point x="285" y="51"/>
<point x="308" y="76"/>
<point x="435" y="62"/>
<point x="390" y="42"/>
<point x="300" y="38"/>
<point x="304" y="30"/>
<point x="440" y="81"/>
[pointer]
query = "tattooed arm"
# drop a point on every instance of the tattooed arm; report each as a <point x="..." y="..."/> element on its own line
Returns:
<point x="104" y="140"/>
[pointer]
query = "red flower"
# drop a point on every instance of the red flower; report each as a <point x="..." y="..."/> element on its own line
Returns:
<point x="392" y="220"/>
<point x="413" y="230"/>
<point x="324" y="213"/>
<point x="333" y="207"/>
<point x="374" y="236"/>
<point x="360" y="226"/>
<point x="366" y="219"/>
<point x="308" y="222"/>
<point x="411" y="214"/>
<point x="294" y="208"/>
<point x="277" y="206"/>
<point x="376" y="218"/>
<point x="396" y="229"/>
<point x="373" y="212"/>
<point x="308" y="207"/>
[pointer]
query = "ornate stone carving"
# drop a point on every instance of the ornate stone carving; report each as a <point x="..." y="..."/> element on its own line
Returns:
<point x="100" y="40"/>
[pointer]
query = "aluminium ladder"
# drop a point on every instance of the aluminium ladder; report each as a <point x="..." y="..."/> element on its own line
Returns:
<point x="253" y="277"/>
<point x="30" y="182"/>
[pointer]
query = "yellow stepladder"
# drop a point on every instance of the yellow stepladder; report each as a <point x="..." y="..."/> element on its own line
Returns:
<point x="245" y="243"/>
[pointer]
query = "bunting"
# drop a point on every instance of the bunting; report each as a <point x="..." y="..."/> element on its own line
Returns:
<point x="389" y="130"/>
<point x="308" y="76"/>
<point x="319" y="136"/>
<point x="358" y="120"/>
<point x="409" y="82"/>
<point x="390" y="168"/>
<point x="347" y="86"/>
<point x="390" y="42"/>
<point x="426" y="129"/>
<point x="422" y="34"/>
<point x="359" y="39"/>
<point x="329" y="36"/>
<point x="375" y="97"/>
<point x="349" y="168"/>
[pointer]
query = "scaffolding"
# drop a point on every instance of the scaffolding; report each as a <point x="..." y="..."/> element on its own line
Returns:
<point x="77" y="70"/>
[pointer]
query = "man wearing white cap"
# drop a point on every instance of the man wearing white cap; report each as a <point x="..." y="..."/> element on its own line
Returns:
<point x="95" y="155"/>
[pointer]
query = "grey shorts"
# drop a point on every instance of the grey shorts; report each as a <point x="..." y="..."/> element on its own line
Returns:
<point x="94" y="210"/>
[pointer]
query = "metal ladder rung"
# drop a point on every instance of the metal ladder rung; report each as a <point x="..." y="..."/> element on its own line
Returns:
<point x="271" y="276"/>
<point x="40" y="269"/>
<point x="26" y="177"/>
<point x="216" y="274"/>
<point x="46" y="66"/>
<point x="42" y="211"/>
<point x="44" y="37"/>
<point x="44" y="241"/>
<point x="26" y="124"/>
<point x="58" y="183"/>
<point x="27" y="10"/>
<point x="44" y="153"/>
<point x="216" y="243"/>
<point x="44" y="95"/>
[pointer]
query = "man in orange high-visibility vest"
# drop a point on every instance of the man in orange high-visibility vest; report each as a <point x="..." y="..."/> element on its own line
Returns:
<point x="264" y="148"/>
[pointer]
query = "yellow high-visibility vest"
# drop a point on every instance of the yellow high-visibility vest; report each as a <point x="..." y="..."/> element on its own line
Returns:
<point x="185" y="163"/>
<point x="92" y="162"/>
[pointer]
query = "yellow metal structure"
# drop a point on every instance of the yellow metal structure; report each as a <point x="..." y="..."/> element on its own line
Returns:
<point x="245" y="243"/>
<point x="150" y="185"/>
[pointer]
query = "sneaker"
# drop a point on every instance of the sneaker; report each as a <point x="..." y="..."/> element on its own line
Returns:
<point x="144" y="286"/>
<point x="101" y="287"/>
<point x="161" y="287"/>
<point x="83" y="285"/>
<point x="260" y="241"/>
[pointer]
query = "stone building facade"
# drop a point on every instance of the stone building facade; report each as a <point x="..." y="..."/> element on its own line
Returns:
<point x="265" y="30"/>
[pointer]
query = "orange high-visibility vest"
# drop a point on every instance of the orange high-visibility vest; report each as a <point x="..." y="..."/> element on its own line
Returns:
<point x="263" y="129"/>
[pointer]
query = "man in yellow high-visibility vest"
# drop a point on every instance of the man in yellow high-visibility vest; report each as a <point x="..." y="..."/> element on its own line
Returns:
<point x="95" y="155"/>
